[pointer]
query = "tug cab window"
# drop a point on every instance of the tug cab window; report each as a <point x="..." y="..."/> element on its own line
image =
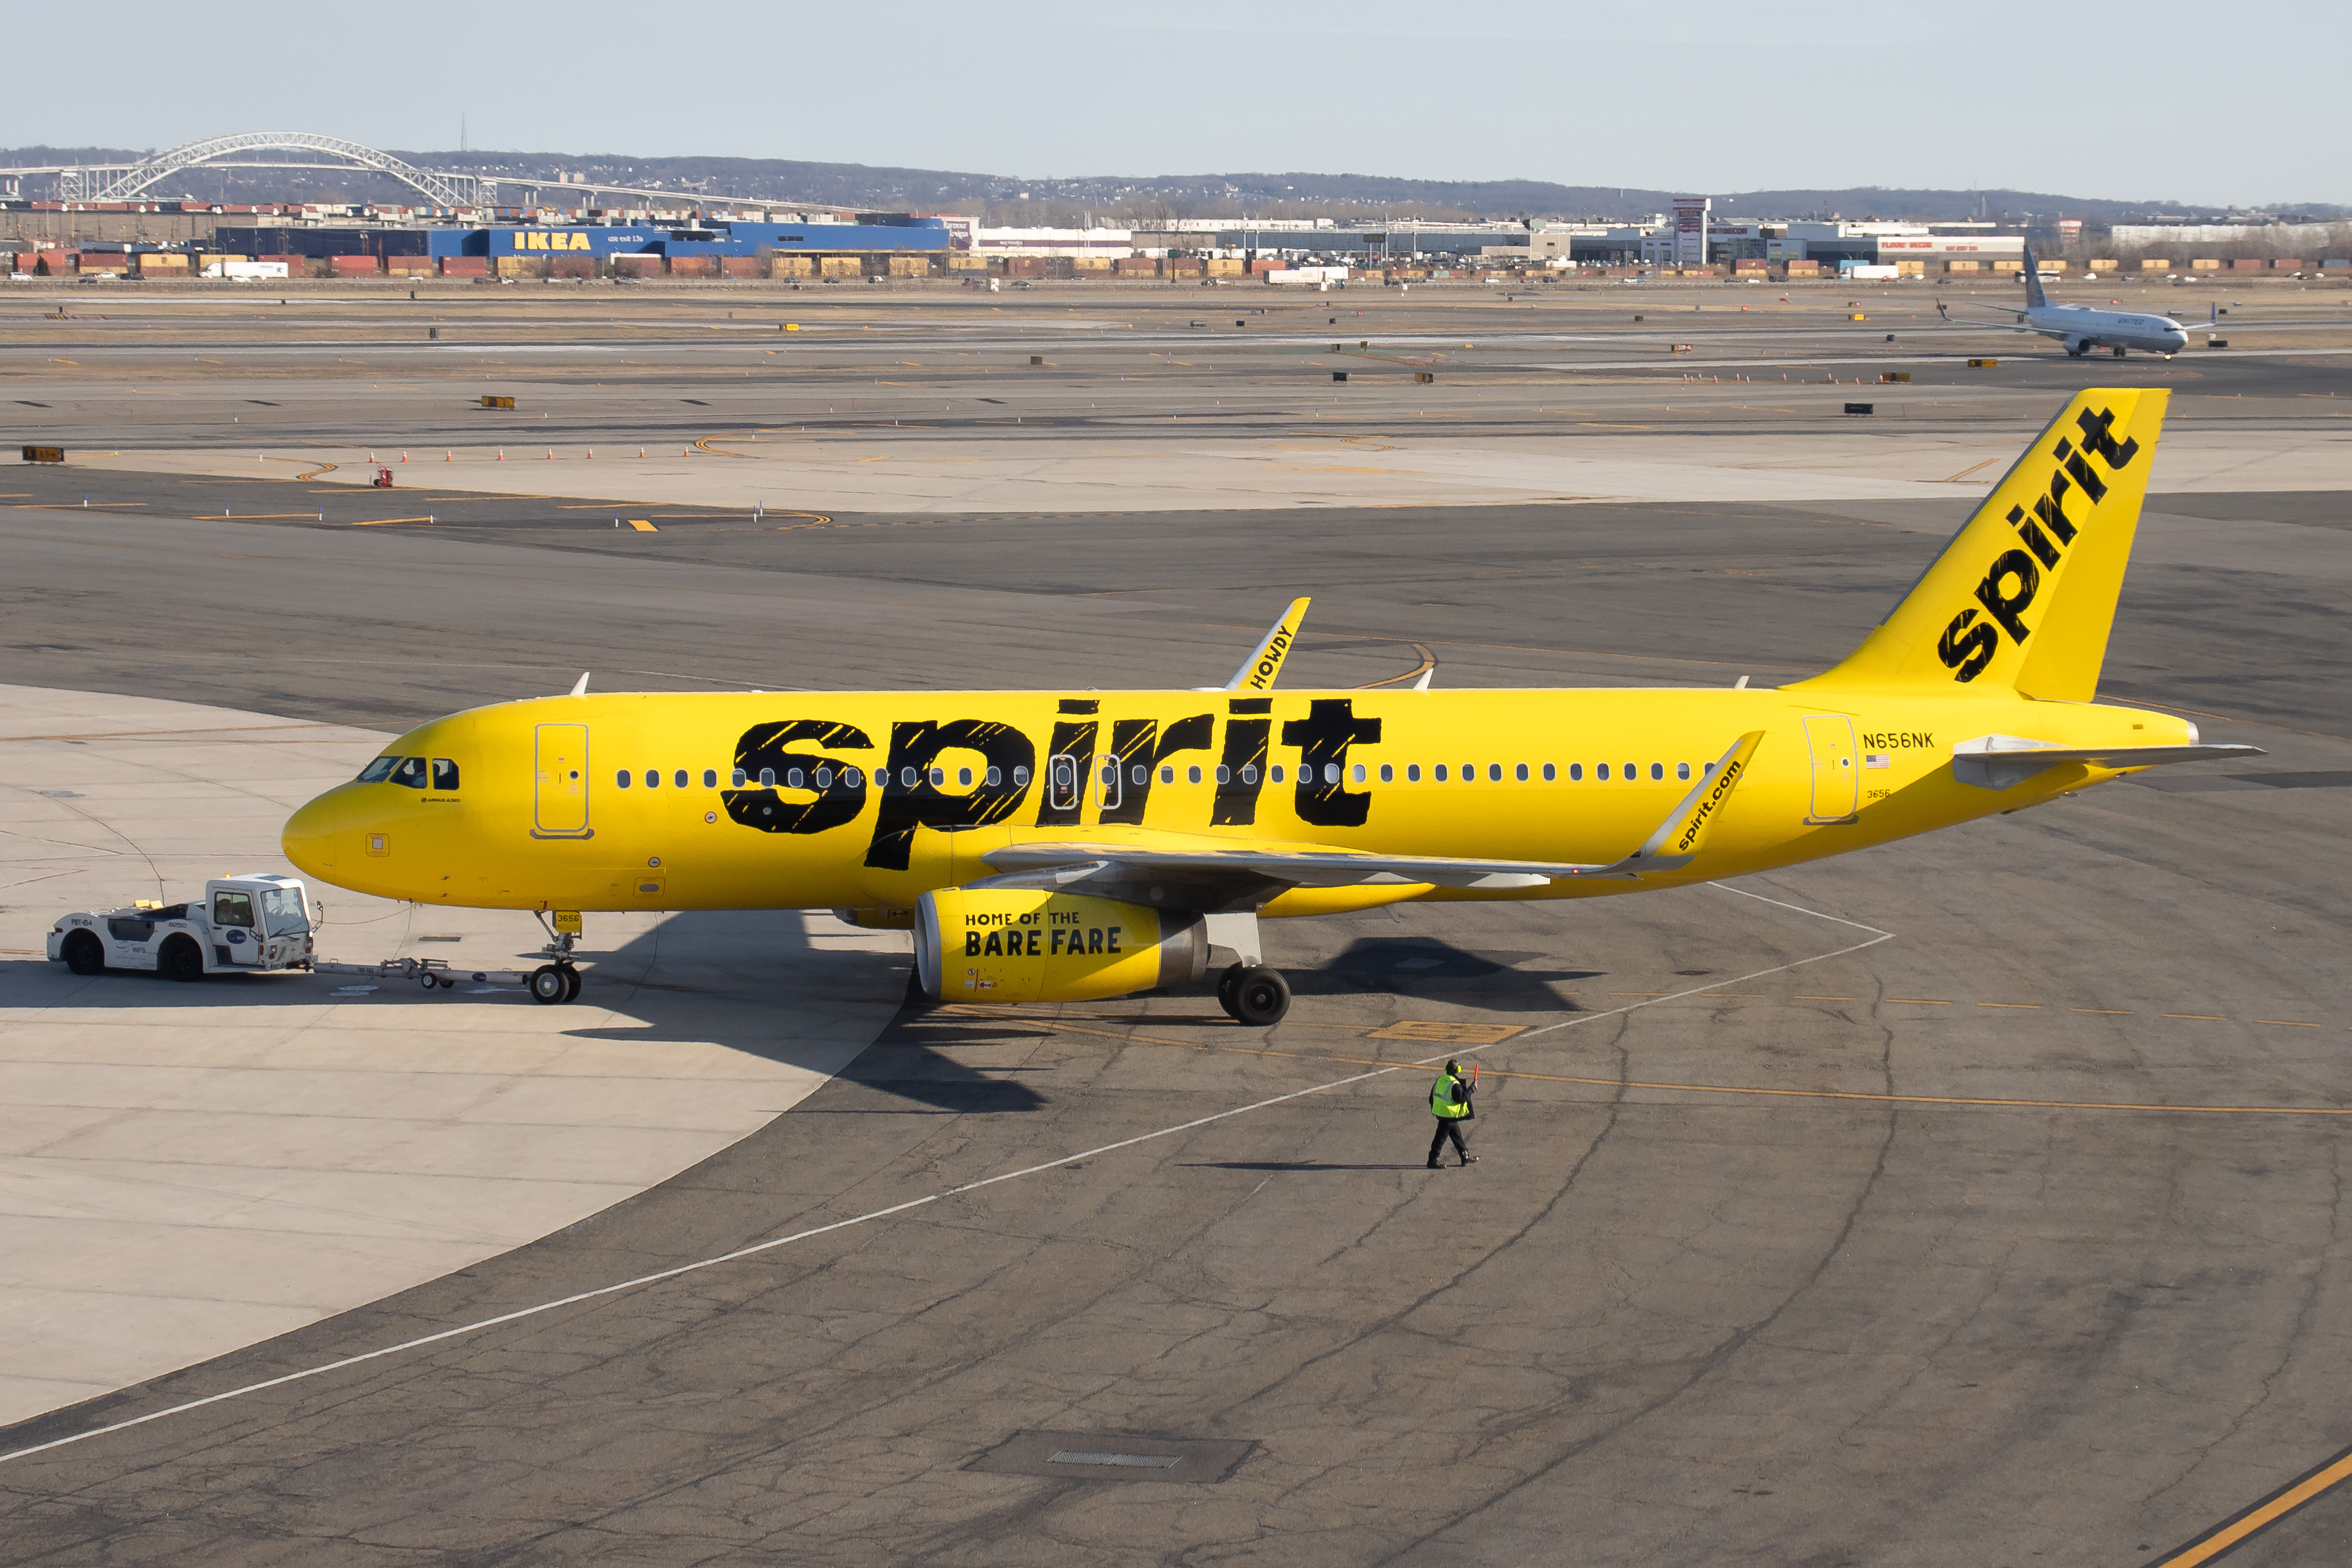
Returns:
<point x="233" y="909"/>
<point x="281" y="909"/>
<point x="411" y="772"/>
<point x="444" y="773"/>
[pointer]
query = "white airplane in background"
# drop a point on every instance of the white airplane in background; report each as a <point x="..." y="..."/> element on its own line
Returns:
<point x="2080" y="327"/>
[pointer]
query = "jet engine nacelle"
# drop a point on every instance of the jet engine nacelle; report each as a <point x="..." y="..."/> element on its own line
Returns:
<point x="984" y="945"/>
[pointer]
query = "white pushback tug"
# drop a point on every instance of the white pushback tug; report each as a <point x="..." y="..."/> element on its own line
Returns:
<point x="257" y="921"/>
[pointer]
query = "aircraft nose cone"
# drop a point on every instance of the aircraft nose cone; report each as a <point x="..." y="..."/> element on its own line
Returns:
<point x="328" y="834"/>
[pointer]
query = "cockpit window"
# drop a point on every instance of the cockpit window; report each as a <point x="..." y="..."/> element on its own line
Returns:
<point x="444" y="773"/>
<point x="282" y="911"/>
<point x="233" y="909"/>
<point x="411" y="772"/>
<point x="379" y="770"/>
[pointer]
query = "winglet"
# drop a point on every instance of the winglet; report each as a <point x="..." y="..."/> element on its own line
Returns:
<point x="579" y="686"/>
<point x="1677" y="842"/>
<point x="1258" y="671"/>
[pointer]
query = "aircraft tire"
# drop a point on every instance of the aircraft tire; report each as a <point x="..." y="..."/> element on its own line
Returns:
<point x="84" y="954"/>
<point x="1226" y="984"/>
<point x="181" y="959"/>
<point x="571" y="984"/>
<point x="547" y="986"/>
<point x="1261" y="997"/>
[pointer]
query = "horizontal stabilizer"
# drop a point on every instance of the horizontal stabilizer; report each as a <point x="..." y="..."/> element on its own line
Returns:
<point x="1999" y="761"/>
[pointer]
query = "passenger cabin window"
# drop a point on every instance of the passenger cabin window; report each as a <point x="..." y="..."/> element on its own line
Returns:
<point x="410" y="773"/>
<point x="1275" y="773"/>
<point x="377" y="771"/>
<point x="738" y="778"/>
<point x="233" y="909"/>
<point x="996" y="776"/>
<point x="1521" y="772"/>
<point x="768" y="777"/>
<point x="710" y="779"/>
<point x="1657" y="770"/>
<point x="1550" y="773"/>
<point x="1387" y="774"/>
<point x="680" y="779"/>
<point x="1225" y="774"/>
<point x="1438" y="773"/>
<point x="1412" y="772"/>
<point x="1601" y="773"/>
<point x="963" y="776"/>
<point x="1191" y="775"/>
<point x="1249" y="772"/>
<point x="621" y="778"/>
<point x="653" y="778"/>
<point x="823" y="778"/>
<point x="1020" y="776"/>
<point x="1495" y="773"/>
<point x="1576" y="772"/>
<point x="1632" y="772"/>
<point x="1682" y="769"/>
<point x="1166" y="775"/>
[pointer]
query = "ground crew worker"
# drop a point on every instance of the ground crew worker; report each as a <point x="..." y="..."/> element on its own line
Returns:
<point x="1449" y="1102"/>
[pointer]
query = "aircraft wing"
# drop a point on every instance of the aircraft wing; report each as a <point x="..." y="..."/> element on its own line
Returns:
<point x="1998" y="761"/>
<point x="1223" y="867"/>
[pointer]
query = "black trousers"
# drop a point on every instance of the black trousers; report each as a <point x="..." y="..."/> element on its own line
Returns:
<point x="1447" y="1127"/>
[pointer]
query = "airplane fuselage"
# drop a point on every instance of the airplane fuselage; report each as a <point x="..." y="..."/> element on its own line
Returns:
<point x="2081" y="328"/>
<point x="680" y="801"/>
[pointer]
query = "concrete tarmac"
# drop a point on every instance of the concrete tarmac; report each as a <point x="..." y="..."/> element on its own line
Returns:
<point x="186" y="1169"/>
<point x="1970" y="1199"/>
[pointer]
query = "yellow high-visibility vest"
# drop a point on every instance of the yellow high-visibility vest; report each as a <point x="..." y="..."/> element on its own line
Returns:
<point x="1443" y="1102"/>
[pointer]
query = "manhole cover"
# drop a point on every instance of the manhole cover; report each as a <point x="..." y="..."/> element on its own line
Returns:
<point x="1114" y="1457"/>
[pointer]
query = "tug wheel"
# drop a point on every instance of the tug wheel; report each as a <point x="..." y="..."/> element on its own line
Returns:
<point x="84" y="954"/>
<point x="181" y="959"/>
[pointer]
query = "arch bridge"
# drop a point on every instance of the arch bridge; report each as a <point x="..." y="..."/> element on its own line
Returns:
<point x="444" y="188"/>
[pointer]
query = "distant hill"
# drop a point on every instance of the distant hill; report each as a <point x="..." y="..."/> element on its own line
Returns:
<point x="1140" y="199"/>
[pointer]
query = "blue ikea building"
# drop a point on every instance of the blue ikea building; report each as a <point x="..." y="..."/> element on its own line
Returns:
<point x="878" y="232"/>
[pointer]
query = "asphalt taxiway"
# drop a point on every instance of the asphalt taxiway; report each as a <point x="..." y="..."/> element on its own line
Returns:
<point x="1973" y="1199"/>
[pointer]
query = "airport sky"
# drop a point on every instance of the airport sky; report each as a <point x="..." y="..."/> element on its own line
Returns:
<point x="2160" y="100"/>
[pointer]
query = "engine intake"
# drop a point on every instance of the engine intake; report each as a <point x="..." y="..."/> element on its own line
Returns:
<point x="990" y="946"/>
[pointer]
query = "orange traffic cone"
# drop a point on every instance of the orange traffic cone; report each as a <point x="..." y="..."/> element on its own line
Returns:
<point x="502" y="451"/>
<point x="445" y="457"/>
<point x="592" y="454"/>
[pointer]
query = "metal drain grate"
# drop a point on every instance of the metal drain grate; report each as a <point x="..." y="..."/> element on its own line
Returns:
<point x="1142" y="1461"/>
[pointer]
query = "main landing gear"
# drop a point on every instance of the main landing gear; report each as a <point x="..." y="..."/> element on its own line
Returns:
<point x="1254" y="994"/>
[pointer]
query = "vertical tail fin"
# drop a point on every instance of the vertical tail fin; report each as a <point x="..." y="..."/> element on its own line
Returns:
<point x="2035" y="299"/>
<point x="2024" y="594"/>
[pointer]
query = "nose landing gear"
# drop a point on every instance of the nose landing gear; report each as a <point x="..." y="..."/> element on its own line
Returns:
<point x="552" y="983"/>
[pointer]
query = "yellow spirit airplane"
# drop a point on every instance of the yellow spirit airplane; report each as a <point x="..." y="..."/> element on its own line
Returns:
<point x="1061" y="845"/>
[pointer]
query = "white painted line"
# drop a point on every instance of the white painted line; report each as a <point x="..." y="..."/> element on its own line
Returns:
<point x="521" y="1314"/>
